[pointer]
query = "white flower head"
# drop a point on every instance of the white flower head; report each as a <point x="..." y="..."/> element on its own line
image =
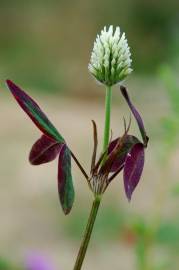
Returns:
<point x="110" y="60"/>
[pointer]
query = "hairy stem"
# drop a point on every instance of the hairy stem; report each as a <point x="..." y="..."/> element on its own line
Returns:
<point x="87" y="235"/>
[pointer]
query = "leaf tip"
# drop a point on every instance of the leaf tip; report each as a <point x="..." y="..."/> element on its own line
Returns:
<point x="128" y="192"/>
<point x="9" y="83"/>
<point x="66" y="211"/>
<point x="123" y="90"/>
<point x="129" y="196"/>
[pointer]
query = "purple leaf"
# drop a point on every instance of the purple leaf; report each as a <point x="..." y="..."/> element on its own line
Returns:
<point x="65" y="183"/>
<point x="34" y="112"/>
<point x="111" y="158"/>
<point x="133" y="168"/>
<point x="136" y="115"/>
<point x="44" y="150"/>
<point x="129" y="141"/>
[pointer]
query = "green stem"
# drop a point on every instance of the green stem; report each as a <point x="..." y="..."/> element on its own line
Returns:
<point x="107" y="118"/>
<point x="97" y="200"/>
<point x="87" y="235"/>
<point x="141" y="252"/>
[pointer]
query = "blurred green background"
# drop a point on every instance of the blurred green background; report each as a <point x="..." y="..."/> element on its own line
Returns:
<point x="45" y="47"/>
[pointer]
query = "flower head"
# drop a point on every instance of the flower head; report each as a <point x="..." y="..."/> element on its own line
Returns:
<point x="110" y="60"/>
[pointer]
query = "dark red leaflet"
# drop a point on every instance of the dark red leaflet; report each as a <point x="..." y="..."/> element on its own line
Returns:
<point x="44" y="150"/>
<point x="133" y="168"/>
<point x="34" y="112"/>
<point x="65" y="183"/>
<point x="136" y="115"/>
<point x="129" y="141"/>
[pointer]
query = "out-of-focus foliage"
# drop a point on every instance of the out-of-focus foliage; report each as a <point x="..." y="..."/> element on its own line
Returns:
<point x="5" y="264"/>
<point x="47" y="44"/>
<point x="171" y="122"/>
<point x="104" y="230"/>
